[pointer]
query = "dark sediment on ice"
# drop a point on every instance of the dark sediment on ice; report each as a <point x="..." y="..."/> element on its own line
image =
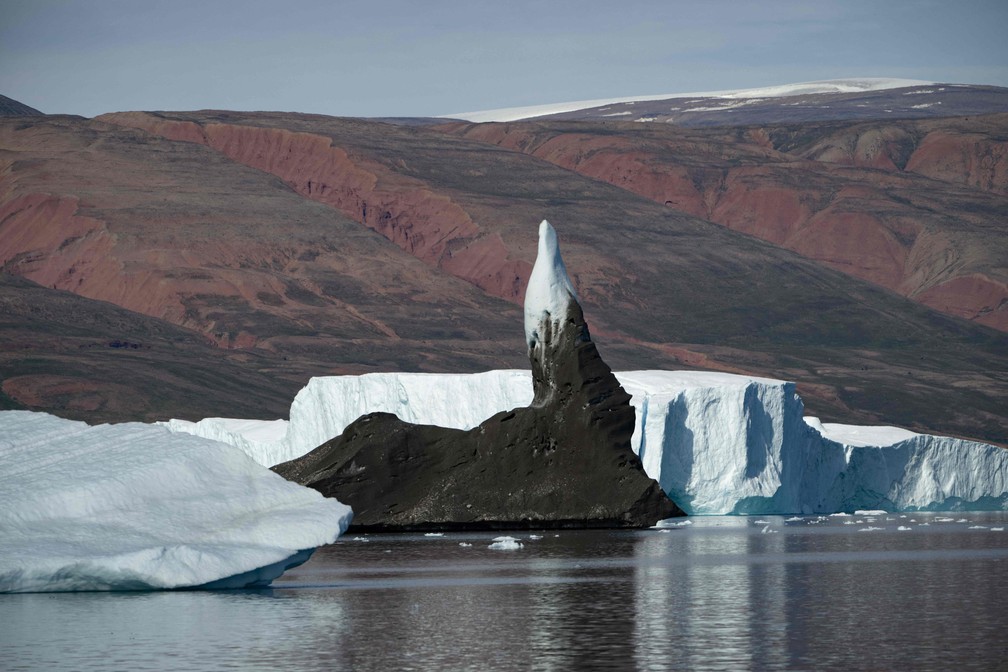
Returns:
<point x="563" y="462"/>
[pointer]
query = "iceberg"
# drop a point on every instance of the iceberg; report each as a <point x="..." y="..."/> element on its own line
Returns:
<point x="562" y="461"/>
<point x="136" y="507"/>
<point x="717" y="443"/>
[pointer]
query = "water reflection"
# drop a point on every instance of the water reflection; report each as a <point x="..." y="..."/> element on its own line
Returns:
<point x="723" y="593"/>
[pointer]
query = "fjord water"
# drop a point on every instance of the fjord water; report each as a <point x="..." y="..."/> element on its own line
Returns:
<point x="888" y="591"/>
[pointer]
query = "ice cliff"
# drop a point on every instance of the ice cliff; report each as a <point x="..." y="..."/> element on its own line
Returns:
<point x="717" y="443"/>
<point x="135" y="507"/>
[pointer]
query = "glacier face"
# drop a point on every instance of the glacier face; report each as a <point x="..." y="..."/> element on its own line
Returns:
<point x="136" y="507"/>
<point x="717" y="443"/>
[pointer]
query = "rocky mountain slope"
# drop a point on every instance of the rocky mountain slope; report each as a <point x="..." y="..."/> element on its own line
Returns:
<point x="14" y="108"/>
<point x="317" y="245"/>
<point x="914" y="206"/>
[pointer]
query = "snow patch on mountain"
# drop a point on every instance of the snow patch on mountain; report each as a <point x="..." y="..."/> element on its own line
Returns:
<point x="853" y="85"/>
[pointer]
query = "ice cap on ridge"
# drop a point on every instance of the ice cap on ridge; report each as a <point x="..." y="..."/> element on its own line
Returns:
<point x="549" y="288"/>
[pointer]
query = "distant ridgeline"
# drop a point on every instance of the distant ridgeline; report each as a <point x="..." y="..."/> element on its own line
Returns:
<point x="12" y="108"/>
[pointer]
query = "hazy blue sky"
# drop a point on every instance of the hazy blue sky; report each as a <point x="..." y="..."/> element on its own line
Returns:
<point x="399" y="57"/>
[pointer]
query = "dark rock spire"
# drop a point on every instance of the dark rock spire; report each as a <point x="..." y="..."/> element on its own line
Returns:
<point x="564" y="461"/>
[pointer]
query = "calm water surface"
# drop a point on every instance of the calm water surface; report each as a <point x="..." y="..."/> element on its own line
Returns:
<point x="721" y="593"/>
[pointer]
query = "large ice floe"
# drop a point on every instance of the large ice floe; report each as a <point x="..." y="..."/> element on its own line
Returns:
<point x="136" y="507"/>
<point x="717" y="443"/>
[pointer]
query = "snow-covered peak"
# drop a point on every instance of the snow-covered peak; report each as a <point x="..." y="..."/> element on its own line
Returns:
<point x="853" y="85"/>
<point x="549" y="288"/>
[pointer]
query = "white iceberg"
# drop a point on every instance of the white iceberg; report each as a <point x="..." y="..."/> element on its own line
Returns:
<point x="256" y="438"/>
<point x="718" y="443"/>
<point x="136" y="507"/>
<point x="506" y="544"/>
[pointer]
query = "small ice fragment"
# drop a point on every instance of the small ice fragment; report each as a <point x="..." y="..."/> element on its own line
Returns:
<point x="962" y="520"/>
<point x="903" y="528"/>
<point x="870" y="529"/>
<point x="870" y="512"/>
<point x="997" y="529"/>
<point x="464" y="544"/>
<point x="838" y="515"/>
<point x="535" y="536"/>
<point x="361" y="539"/>
<point x="977" y="527"/>
<point x="793" y="519"/>
<point x="505" y="544"/>
<point x="761" y="522"/>
<point x="434" y="534"/>
<point x="766" y="530"/>
<point x="848" y="522"/>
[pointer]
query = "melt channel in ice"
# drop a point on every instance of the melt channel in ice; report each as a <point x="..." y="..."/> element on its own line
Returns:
<point x="136" y="507"/>
<point x="718" y="443"/>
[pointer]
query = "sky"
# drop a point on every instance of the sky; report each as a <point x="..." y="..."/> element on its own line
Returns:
<point x="431" y="57"/>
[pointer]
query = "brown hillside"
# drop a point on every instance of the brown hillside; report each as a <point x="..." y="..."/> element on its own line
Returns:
<point x="262" y="227"/>
<point x="917" y="207"/>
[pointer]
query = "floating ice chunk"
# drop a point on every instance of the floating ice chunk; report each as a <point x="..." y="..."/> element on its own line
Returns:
<point x="434" y="534"/>
<point x="977" y="527"/>
<point x="870" y="529"/>
<point x="997" y="529"/>
<point x="464" y="544"/>
<point x="903" y="528"/>
<point x="793" y="519"/>
<point x="535" y="536"/>
<point x="136" y="507"/>
<point x="761" y="522"/>
<point x="260" y="439"/>
<point x="506" y="544"/>
<point x="871" y="512"/>
<point x="549" y="290"/>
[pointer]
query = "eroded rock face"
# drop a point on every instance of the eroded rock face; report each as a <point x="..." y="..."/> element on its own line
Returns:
<point x="564" y="461"/>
